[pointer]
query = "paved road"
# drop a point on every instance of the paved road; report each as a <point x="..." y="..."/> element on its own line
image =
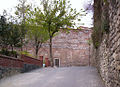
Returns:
<point x="56" y="77"/>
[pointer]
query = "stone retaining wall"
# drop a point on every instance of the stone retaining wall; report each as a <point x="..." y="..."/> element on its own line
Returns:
<point x="107" y="56"/>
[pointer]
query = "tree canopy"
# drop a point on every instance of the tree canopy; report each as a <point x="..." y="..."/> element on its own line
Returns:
<point x="38" y="24"/>
<point x="55" y="14"/>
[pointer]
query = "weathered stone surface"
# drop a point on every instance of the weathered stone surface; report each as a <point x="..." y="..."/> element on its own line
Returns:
<point x="107" y="56"/>
<point x="5" y="72"/>
<point x="29" y="67"/>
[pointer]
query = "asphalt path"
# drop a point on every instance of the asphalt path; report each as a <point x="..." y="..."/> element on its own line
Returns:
<point x="56" y="77"/>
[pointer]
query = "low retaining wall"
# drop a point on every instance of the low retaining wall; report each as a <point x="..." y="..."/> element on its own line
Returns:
<point x="11" y="66"/>
<point x="31" y="63"/>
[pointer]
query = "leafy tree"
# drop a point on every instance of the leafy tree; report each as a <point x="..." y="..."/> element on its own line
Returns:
<point x="37" y="34"/>
<point x="4" y="32"/>
<point x="21" y="11"/>
<point x="9" y="36"/>
<point x="14" y="36"/>
<point x="57" y="14"/>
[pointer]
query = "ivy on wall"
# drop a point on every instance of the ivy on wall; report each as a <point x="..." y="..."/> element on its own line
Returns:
<point x="101" y="21"/>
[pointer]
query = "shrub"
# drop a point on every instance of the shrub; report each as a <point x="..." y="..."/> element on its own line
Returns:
<point x="9" y="53"/>
<point x="25" y="53"/>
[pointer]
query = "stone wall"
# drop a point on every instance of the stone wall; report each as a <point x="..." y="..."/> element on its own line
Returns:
<point x="107" y="56"/>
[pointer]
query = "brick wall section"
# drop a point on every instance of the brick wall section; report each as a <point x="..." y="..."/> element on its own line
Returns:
<point x="6" y="61"/>
<point x="30" y="60"/>
<point x="71" y="48"/>
<point x="107" y="56"/>
<point x="11" y="66"/>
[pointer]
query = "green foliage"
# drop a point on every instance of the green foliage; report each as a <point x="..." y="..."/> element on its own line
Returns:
<point x="35" y="29"/>
<point x="9" y="53"/>
<point x="9" y="36"/>
<point x="39" y="24"/>
<point x="105" y="18"/>
<point x="105" y="26"/>
<point x="36" y="32"/>
<point x="96" y="35"/>
<point x="89" y="41"/>
<point x="101" y="21"/>
<point x="4" y="52"/>
<point x="14" y="36"/>
<point x="67" y="32"/>
<point x="21" y="15"/>
<point x="4" y="32"/>
<point x="105" y="1"/>
<point x="26" y="53"/>
<point x="38" y="36"/>
<point x="21" y="11"/>
<point x="58" y="14"/>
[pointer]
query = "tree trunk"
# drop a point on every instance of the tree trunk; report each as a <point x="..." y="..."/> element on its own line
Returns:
<point x="37" y="48"/>
<point x="21" y="44"/>
<point x="50" y="49"/>
<point x="12" y="48"/>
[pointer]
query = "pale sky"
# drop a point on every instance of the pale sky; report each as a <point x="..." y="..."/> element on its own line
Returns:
<point x="9" y="5"/>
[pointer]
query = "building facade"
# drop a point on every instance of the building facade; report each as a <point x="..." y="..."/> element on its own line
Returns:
<point x="69" y="48"/>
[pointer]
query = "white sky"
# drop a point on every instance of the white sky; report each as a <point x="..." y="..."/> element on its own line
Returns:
<point x="9" y="5"/>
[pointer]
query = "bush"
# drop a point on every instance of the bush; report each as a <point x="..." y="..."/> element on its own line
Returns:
<point x="26" y="53"/>
<point x="9" y="53"/>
